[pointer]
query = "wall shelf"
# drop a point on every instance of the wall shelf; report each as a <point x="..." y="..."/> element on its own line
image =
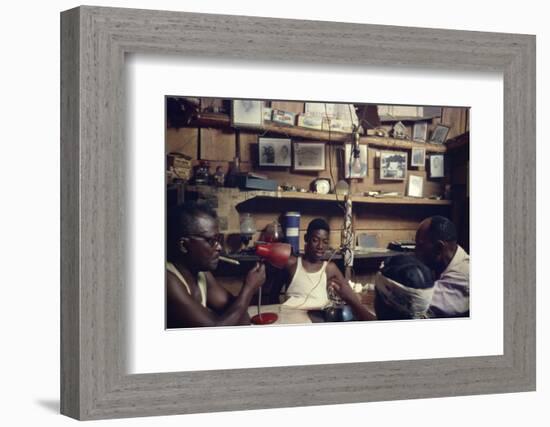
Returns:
<point x="391" y="119"/>
<point x="218" y="120"/>
<point x="296" y="195"/>
<point x="291" y="195"/>
<point x="401" y="144"/>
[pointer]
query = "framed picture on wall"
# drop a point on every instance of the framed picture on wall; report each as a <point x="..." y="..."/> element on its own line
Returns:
<point x="393" y="165"/>
<point x="418" y="157"/>
<point x="439" y="134"/>
<point x="309" y="156"/>
<point x="274" y="152"/>
<point x="247" y="113"/>
<point x="415" y="186"/>
<point x="437" y="166"/>
<point x="420" y="131"/>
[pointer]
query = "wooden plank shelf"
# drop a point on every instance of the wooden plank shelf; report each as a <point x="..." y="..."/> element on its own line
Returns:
<point x="246" y="195"/>
<point x="291" y="195"/>
<point x="390" y="119"/>
<point x="224" y="121"/>
<point x="401" y="144"/>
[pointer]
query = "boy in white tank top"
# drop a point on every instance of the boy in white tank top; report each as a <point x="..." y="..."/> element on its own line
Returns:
<point x="310" y="274"/>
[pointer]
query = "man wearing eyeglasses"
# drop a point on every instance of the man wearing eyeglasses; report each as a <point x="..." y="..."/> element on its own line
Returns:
<point x="193" y="297"/>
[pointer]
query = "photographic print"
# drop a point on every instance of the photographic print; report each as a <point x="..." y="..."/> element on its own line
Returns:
<point x="247" y="112"/>
<point x="415" y="186"/>
<point x="420" y="131"/>
<point x="267" y="195"/>
<point x="393" y="165"/>
<point x="439" y="135"/>
<point x="309" y="156"/>
<point x="274" y="152"/>
<point x="418" y="157"/>
<point x="437" y="166"/>
<point x="355" y="164"/>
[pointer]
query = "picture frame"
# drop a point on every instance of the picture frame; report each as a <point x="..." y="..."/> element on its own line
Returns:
<point x="437" y="166"/>
<point x="309" y="156"/>
<point x="393" y="165"/>
<point x="420" y="131"/>
<point x="415" y="186"/>
<point x="247" y="113"/>
<point x="94" y="380"/>
<point x="418" y="157"/>
<point x="439" y="134"/>
<point x="274" y="152"/>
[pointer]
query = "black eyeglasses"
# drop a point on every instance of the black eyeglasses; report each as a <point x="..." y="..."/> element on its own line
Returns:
<point x="212" y="241"/>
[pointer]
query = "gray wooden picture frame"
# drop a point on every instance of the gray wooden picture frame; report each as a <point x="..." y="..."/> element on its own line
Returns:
<point x="94" y="41"/>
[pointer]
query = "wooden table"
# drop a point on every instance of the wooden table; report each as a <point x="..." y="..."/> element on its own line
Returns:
<point x="288" y="316"/>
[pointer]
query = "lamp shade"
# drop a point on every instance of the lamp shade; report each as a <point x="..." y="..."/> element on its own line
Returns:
<point x="277" y="254"/>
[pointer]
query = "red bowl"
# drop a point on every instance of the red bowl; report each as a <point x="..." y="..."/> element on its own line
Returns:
<point x="264" y="319"/>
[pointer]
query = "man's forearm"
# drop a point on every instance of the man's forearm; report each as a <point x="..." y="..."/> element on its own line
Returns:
<point x="360" y="310"/>
<point x="237" y="312"/>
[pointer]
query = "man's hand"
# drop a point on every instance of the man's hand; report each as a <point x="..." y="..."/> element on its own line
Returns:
<point x="343" y="289"/>
<point x="255" y="277"/>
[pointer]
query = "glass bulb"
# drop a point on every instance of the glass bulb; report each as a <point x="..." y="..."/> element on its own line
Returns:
<point x="248" y="226"/>
<point x="356" y="165"/>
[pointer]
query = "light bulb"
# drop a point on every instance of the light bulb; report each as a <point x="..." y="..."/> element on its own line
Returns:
<point x="356" y="165"/>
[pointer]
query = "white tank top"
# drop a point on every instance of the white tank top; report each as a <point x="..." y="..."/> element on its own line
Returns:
<point x="308" y="291"/>
<point x="201" y="281"/>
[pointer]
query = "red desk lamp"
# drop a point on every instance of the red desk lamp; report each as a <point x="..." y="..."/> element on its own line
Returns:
<point x="277" y="254"/>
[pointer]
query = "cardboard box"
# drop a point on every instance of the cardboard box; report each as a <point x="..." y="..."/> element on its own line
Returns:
<point x="283" y="117"/>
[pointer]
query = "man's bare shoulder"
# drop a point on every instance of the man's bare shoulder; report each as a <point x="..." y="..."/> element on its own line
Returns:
<point x="171" y="278"/>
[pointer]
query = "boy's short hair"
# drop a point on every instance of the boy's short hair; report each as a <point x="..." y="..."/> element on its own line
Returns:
<point x="317" y="224"/>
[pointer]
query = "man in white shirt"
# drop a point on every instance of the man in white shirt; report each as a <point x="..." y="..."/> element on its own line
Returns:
<point x="436" y="246"/>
